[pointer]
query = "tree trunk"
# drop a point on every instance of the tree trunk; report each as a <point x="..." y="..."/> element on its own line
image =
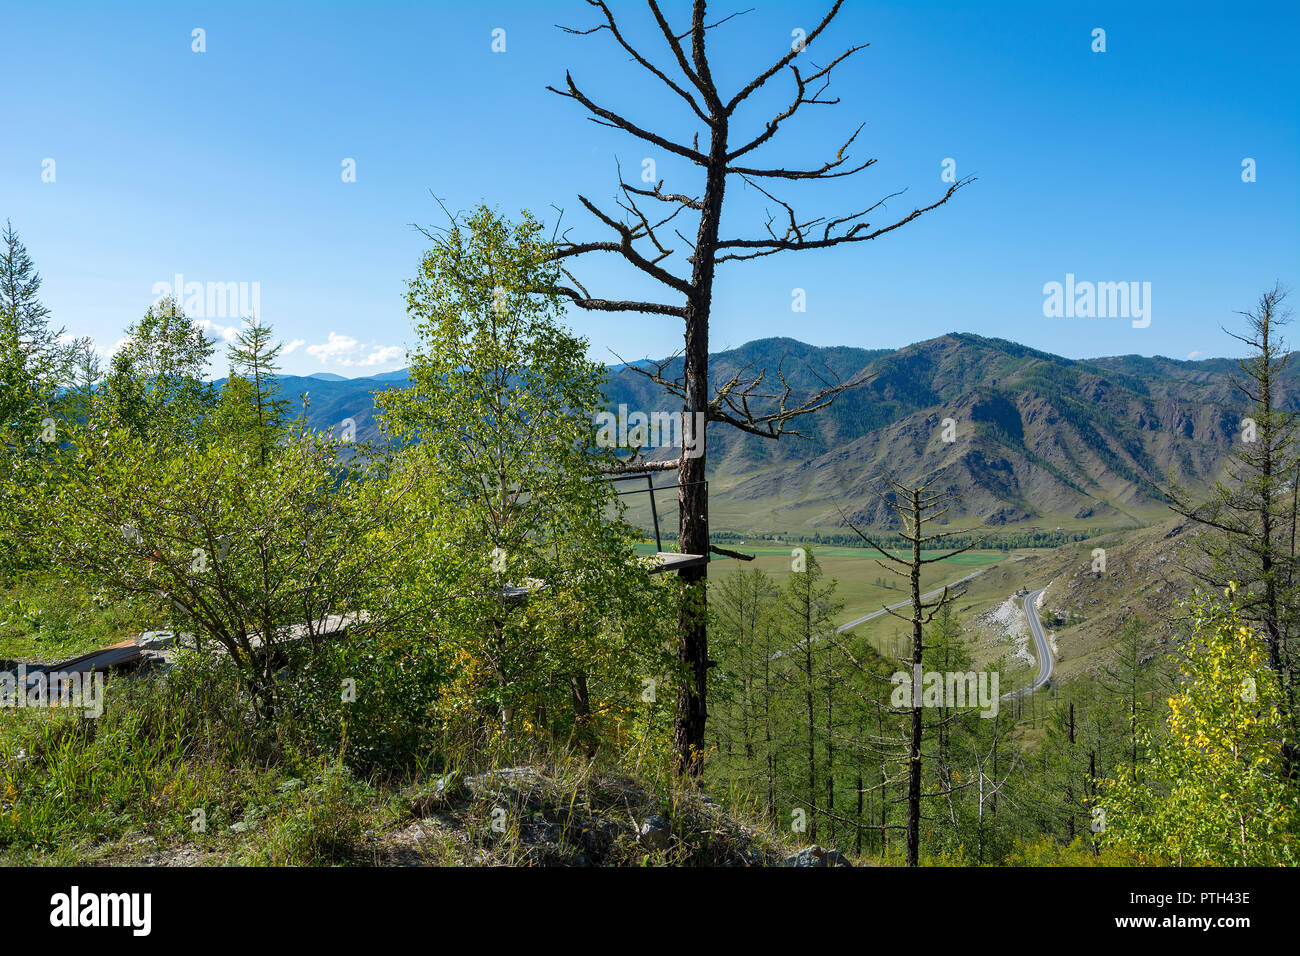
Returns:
<point x="914" y="744"/>
<point x="693" y="495"/>
<point x="582" y="712"/>
<point x="830" y="767"/>
<point x="808" y="702"/>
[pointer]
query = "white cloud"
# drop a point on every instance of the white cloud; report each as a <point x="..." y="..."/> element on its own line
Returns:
<point x="382" y="355"/>
<point x="115" y="347"/>
<point x="336" y="349"/>
<point x="226" y="333"/>
<point x="294" y="346"/>
<point x="345" y="351"/>
<point x="1192" y="356"/>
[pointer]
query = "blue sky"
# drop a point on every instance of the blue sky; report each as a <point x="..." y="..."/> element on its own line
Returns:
<point x="225" y="166"/>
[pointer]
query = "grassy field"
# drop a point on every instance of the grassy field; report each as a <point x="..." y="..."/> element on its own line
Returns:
<point x="46" y="620"/>
<point x="777" y="515"/>
<point x="861" y="583"/>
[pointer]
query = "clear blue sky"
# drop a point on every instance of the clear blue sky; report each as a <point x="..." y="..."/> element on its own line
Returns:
<point x="225" y="166"/>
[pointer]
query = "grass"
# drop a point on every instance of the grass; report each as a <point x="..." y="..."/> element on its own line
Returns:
<point x="855" y="571"/>
<point x="46" y="619"/>
<point x="152" y="782"/>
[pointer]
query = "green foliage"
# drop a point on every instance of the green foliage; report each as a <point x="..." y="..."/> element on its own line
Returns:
<point x="67" y="782"/>
<point x="35" y="364"/>
<point x="1045" y="851"/>
<point x="238" y="549"/>
<point x="547" y="604"/>
<point x="250" y="409"/>
<point x="1214" y="791"/>
<point x="372" y="700"/>
<point x="319" y="823"/>
<point x="34" y="361"/>
<point x="748" y="709"/>
<point x="155" y="387"/>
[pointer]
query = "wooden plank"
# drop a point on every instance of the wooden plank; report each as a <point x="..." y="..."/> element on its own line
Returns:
<point x="671" y="561"/>
<point x="516" y="595"/>
<point x="117" y="655"/>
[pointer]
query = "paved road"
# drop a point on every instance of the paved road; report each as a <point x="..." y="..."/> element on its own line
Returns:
<point x="1044" y="650"/>
<point x="894" y="607"/>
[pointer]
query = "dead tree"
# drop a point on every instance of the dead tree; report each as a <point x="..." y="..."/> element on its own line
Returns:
<point x="916" y="508"/>
<point x="745" y="401"/>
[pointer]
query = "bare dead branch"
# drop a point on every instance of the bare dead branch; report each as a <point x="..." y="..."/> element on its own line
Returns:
<point x="610" y="118"/>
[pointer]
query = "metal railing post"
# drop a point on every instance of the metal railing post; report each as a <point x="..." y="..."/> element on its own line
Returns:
<point x="654" y="512"/>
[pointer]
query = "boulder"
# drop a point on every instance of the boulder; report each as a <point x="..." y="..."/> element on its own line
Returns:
<point x="436" y="795"/>
<point x="816" y="856"/>
<point x="655" y="833"/>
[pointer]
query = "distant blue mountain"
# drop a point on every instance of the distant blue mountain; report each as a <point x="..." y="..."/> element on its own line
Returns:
<point x="332" y="398"/>
<point x="1050" y="439"/>
<point x="400" y="375"/>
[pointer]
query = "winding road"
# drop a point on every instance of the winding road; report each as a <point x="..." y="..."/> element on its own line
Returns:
<point x="1043" y="649"/>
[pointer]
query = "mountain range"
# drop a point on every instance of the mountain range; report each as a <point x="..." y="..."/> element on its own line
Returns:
<point x="1035" y="440"/>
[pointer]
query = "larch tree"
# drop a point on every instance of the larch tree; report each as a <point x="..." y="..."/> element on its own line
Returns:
<point x="1251" y="513"/>
<point x="251" y="399"/>
<point x="743" y="620"/>
<point x="748" y="400"/>
<point x="155" y="385"/>
<point x="916" y="509"/>
<point x="808" y="608"/>
<point x="34" y="362"/>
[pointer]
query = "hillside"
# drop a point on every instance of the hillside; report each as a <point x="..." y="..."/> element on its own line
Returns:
<point x="332" y="399"/>
<point x="1040" y="441"/>
<point x="1083" y="610"/>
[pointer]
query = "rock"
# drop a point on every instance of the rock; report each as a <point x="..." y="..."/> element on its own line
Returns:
<point x="655" y="833"/>
<point x="816" y="856"/>
<point x="504" y="780"/>
<point x="526" y="788"/>
<point x="156" y="640"/>
<point x="594" y="835"/>
<point x="438" y="794"/>
<point x="508" y="782"/>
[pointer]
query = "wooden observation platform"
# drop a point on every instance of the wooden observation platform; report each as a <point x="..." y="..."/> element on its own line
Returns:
<point x="666" y="561"/>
